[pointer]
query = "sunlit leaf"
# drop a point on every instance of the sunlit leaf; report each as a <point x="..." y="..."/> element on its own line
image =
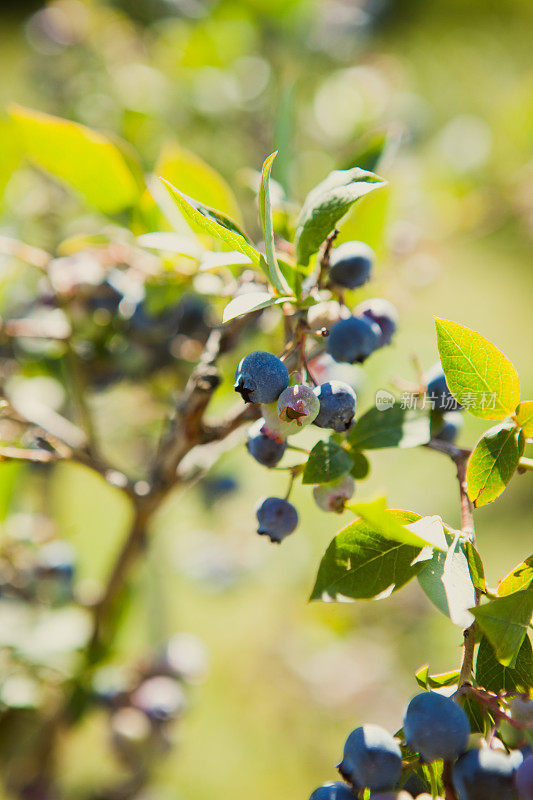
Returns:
<point x="447" y="582"/>
<point x="252" y="301"/>
<point x="326" y="204"/>
<point x="519" y="578"/>
<point x="422" y="532"/>
<point x="82" y="158"/>
<point x="479" y="376"/>
<point x="524" y="417"/>
<point x="495" y="677"/>
<point x="493" y="462"/>
<point x="504" y="621"/>
<point x="265" y="208"/>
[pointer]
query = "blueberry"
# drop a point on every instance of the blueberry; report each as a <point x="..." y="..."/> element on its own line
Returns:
<point x="372" y="759"/>
<point x="524" y="779"/>
<point x="334" y="790"/>
<point x="485" y="775"/>
<point x="298" y="405"/>
<point x="436" y="727"/>
<point x="215" y="487"/>
<point x="333" y="496"/>
<point x="263" y="448"/>
<point x="353" y="339"/>
<point x="261" y="377"/>
<point x="277" y="518"/>
<point x="161" y="698"/>
<point x="351" y="264"/>
<point x="438" y="391"/>
<point x="337" y="405"/>
<point x="451" y="426"/>
<point x="276" y="428"/>
<point x="383" y="313"/>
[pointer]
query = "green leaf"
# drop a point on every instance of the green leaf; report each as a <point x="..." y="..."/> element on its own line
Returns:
<point x="253" y="301"/>
<point x="524" y="417"/>
<point x="427" y="681"/>
<point x="479" y="376"/>
<point x="265" y="208"/>
<point x="475" y="565"/>
<point x="326" y="204"/>
<point x="521" y="577"/>
<point x="422" y="532"/>
<point x="214" y="223"/>
<point x="327" y="462"/>
<point x="494" y="677"/>
<point x="493" y="462"/>
<point x="196" y="179"/>
<point x="360" y="563"/>
<point x="82" y="158"/>
<point x="393" y="427"/>
<point x="10" y="154"/>
<point x="505" y="621"/>
<point x="10" y="472"/>
<point x="361" y="465"/>
<point x="447" y="582"/>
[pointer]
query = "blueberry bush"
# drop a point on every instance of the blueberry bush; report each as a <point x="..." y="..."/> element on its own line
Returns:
<point x="174" y="291"/>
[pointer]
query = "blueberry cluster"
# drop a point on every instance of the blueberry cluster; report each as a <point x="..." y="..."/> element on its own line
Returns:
<point x="354" y="337"/>
<point x="436" y="730"/>
<point x="263" y="378"/>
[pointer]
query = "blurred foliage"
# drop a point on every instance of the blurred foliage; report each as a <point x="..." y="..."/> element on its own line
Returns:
<point x="439" y="98"/>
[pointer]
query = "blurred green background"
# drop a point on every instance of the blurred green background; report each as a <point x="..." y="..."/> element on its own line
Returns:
<point x="452" y="84"/>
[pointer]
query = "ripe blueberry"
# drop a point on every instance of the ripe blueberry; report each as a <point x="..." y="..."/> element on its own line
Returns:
<point x="277" y="518"/>
<point x="351" y="264"/>
<point x="353" y="339"/>
<point x="333" y="790"/>
<point x="298" y="405"/>
<point x="524" y="779"/>
<point x="436" y="727"/>
<point x="383" y="313"/>
<point x="261" y="377"/>
<point x="372" y="759"/>
<point x="451" y="426"/>
<point x="337" y="405"/>
<point x="438" y="391"/>
<point x="485" y="775"/>
<point x="264" y="449"/>
<point x="333" y="496"/>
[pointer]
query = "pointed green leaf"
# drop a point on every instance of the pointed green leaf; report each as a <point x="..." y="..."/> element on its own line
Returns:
<point x="427" y="681"/>
<point x="393" y="427"/>
<point x="361" y="564"/>
<point x="196" y="179"/>
<point x="475" y="565"/>
<point x="265" y="208"/>
<point x="253" y="301"/>
<point x="519" y="578"/>
<point x="422" y="532"/>
<point x="82" y="158"/>
<point x="479" y="376"/>
<point x="446" y="580"/>
<point x="524" y="417"/>
<point x="213" y="222"/>
<point x="505" y="621"/>
<point x="327" y="462"/>
<point x="494" y="677"/>
<point x="493" y="462"/>
<point x="326" y="204"/>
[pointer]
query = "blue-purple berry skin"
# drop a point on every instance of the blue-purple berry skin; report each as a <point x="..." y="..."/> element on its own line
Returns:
<point x="452" y="424"/>
<point x="436" y="727"/>
<point x="350" y="264"/>
<point x="261" y="377"/>
<point x="383" y="313"/>
<point x="524" y="779"/>
<point x="485" y="775"/>
<point x="353" y="340"/>
<point x="264" y="449"/>
<point x="277" y="518"/>
<point x="333" y="790"/>
<point x="337" y="405"/>
<point x="438" y="391"/>
<point x="372" y="759"/>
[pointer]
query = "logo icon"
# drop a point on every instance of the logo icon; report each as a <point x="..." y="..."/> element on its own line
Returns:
<point x="384" y="400"/>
